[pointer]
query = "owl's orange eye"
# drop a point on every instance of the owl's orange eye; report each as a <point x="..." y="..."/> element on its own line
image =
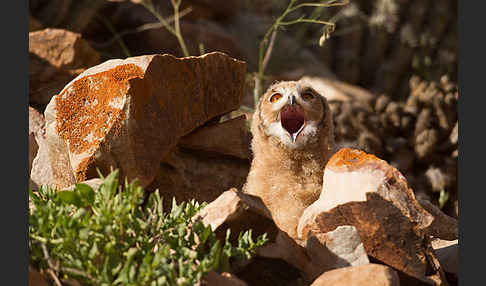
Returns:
<point x="307" y="96"/>
<point x="276" y="97"/>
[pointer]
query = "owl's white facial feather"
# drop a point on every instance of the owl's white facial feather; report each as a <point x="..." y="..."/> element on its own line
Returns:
<point x="307" y="133"/>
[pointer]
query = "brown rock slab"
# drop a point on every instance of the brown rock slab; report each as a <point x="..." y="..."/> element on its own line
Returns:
<point x="443" y="226"/>
<point x="214" y="278"/>
<point x="56" y="56"/>
<point x="364" y="191"/>
<point x="363" y="275"/>
<point x="203" y="176"/>
<point x="447" y="252"/>
<point x="128" y="114"/>
<point x="339" y="248"/>
<point x="230" y="137"/>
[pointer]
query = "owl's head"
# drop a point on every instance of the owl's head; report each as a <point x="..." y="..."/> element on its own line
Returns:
<point x="294" y="114"/>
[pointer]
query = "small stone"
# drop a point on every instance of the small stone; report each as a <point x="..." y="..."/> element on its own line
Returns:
<point x="363" y="275"/>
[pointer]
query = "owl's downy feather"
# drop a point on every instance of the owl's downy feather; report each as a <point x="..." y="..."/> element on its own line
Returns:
<point x="292" y="142"/>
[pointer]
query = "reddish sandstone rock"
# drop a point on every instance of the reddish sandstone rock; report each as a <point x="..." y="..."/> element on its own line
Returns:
<point x="364" y="275"/>
<point x="56" y="56"/>
<point x="129" y="114"/>
<point x="364" y="191"/>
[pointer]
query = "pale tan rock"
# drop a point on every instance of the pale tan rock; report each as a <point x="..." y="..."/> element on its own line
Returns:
<point x="33" y="148"/>
<point x="447" y="252"/>
<point x="364" y="191"/>
<point x="339" y="248"/>
<point x="334" y="89"/>
<point x="350" y="175"/>
<point x="214" y="278"/>
<point x="363" y="275"/>
<point x="93" y="183"/>
<point x="56" y="56"/>
<point x="225" y="208"/>
<point x="128" y="114"/>
<point x="230" y="137"/>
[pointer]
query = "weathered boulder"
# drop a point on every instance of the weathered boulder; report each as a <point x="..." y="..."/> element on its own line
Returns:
<point x="447" y="252"/>
<point x="231" y="137"/>
<point x="363" y="275"/>
<point x="214" y="278"/>
<point x="188" y="174"/>
<point x="339" y="248"/>
<point x="361" y="190"/>
<point x="128" y="114"/>
<point x="56" y="56"/>
<point x="443" y="226"/>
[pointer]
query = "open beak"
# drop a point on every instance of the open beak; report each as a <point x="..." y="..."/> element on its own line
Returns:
<point x="292" y="118"/>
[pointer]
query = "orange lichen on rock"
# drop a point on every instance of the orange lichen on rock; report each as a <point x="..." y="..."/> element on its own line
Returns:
<point x="350" y="158"/>
<point x="90" y="107"/>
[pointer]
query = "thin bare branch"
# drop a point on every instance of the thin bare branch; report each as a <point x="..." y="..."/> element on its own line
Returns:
<point x="269" y="49"/>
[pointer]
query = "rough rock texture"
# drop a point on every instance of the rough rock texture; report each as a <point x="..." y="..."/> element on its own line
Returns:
<point x="336" y="249"/>
<point x="417" y="136"/>
<point x="187" y="174"/>
<point x="128" y="114"/>
<point x="443" y="226"/>
<point x="213" y="278"/>
<point x="33" y="148"/>
<point x="364" y="191"/>
<point x="76" y="15"/>
<point x="363" y="275"/>
<point x="230" y="137"/>
<point x="447" y="252"/>
<point x="223" y="209"/>
<point x="55" y="57"/>
<point x="93" y="183"/>
<point x="45" y="171"/>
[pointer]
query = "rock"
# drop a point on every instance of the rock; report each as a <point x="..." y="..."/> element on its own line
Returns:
<point x="35" y="278"/>
<point x="56" y="56"/>
<point x="231" y="137"/>
<point x="288" y="250"/>
<point x="51" y="166"/>
<point x="93" y="183"/>
<point x="363" y="275"/>
<point x="45" y="171"/>
<point x="187" y="174"/>
<point x="338" y="90"/>
<point x="128" y="114"/>
<point x="223" y="209"/>
<point x="34" y="24"/>
<point x="443" y="226"/>
<point x="447" y="252"/>
<point x="33" y="148"/>
<point x="367" y="193"/>
<point x="213" y="278"/>
<point x="339" y="248"/>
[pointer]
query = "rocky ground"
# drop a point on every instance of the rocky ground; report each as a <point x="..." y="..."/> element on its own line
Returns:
<point x="177" y="124"/>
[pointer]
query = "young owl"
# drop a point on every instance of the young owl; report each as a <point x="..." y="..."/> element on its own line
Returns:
<point x="292" y="142"/>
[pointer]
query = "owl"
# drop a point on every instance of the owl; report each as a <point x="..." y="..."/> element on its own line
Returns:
<point x="292" y="142"/>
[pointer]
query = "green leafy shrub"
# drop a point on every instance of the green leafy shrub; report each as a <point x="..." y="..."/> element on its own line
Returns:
<point x="109" y="237"/>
